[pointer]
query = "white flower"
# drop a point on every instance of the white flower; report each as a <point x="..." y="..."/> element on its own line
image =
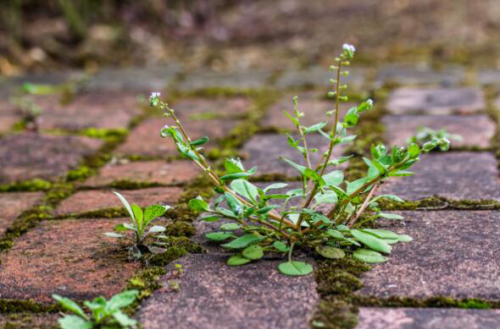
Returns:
<point x="349" y="48"/>
<point x="155" y="95"/>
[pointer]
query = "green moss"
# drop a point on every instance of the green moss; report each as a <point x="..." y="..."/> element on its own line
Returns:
<point x="27" y="186"/>
<point x="19" y="306"/>
<point x="146" y="281"/>
<point x="79" y="174"/>
<point x="437" y="302"/>
<point x="108" y="135"/>
<point x="335" y="314"/>
<point x="115" y="212"/>
<point x="177" y="247"/>
<point x="440" y="203"/>
<point x="180" y="228"/>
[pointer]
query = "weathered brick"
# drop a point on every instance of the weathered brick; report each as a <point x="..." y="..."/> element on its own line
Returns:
<point x="96" y="110"/>
<point x="70" y="258"/>
<point x="13" y="204"/>
<point x="420" y="75"/>
<point x="489" y="77"/>
<point x="134" y="79"/>
<point x="29" y="320"/>
<point x="320" y="77"/>
<point x="214" y="295"/>
<point x="212" y="118"/>
<point x="27" y="156"/>
<point x="453" y="254"/>
<point x="436" y="101"/>
<point x="202" y="79"/>
<point x="475" y="130"/>
<point x="264" y="151"/>
<point x="311" y="104"/>
<point x="463" y="175"/>
<point x="427" y="318"/>
<point x="159" y="172"/>
<point x="86" y="201"/>
<point x="9" y="116"/>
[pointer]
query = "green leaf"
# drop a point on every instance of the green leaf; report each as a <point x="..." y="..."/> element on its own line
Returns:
<point x="156" y="229"/>
<point x="237" y="260"/>
<point x="245" y="189"/>
<point x="275" y="186"/>
<point x="233" y="165"/>
<point x="413" y="150"/>
<point x="198" y="204"/>
<point x="153" y="212"/>
<point x="121" y="300"/>
<point x="253" y="252"/>
<point x="114" y="235"/>
<point x="70" y="305"/>
<point x="355" y="185"/>
<point x="405" y="238"/>
<point x="369" y="256"/>
<point x="382" y="234"/>
<point x="230" y="227"/>
<point x="266" y="209"/>
<point x="298" y="167"/>
<point x="315" y="128"/>
<point x="293" y="119"/>
<point x="330" y="252"/>
<point x="388" y="196"/>
<point x="126" y="205"/>
<point x="326" y="197"/>
<point x="294" y="268"/>
<point x="233" y="203"/>
<point x="210" y="218"/>
<point x="219" y="236"/>
<point x="281" y="246"/>
<point x="123" y="319"/>
<point x="139" y="215"/>
<point x="371" y="241"/>
<point x="352" y="117"/>
<point x="390" y="216"/>
<point x="243" y="241"/>
<point x="200" y="141"/>
<point x="239" y="175"/>
<point x="74" y="322"/>
<point x="334" y="178"/>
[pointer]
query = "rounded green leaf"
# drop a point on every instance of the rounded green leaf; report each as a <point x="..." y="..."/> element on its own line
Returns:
<point x="294" y="268"/>
<point x="372" y="241"/>
<point x="281" y="246"/>
<point x="330" y="252"/>
<point x="230" y="227"/>
<point x="369" y="256"/>
<point x="253" y="252"/>
<point x="237" y="260"/>
<point x="243" y="241"/>
<point x="405" y="238"/>
<point x="218" y="236"/>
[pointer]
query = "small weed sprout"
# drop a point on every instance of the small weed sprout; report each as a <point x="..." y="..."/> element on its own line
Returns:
<point x="30" y="112"/>
<point x="262" y="221"/>
<point x="103" y="313"/>
<point x="441" y="138"/>
<point x="139" y="222"/>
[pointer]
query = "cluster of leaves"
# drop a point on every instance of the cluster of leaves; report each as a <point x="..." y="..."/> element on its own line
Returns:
<point x="102" y="313"/>
<point x="139" y="223"/>
<point x="431" y="138"/>
<point x="324" y="213"/>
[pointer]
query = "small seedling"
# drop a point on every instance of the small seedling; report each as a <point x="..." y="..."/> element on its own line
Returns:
<point x="102" y="313"/>
<point x="266" y="221"/>
<point x="441" y="138"/>
<point x="139" y="222"/>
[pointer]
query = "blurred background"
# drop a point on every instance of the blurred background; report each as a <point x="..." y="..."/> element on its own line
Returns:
<point x="42" y="35"/>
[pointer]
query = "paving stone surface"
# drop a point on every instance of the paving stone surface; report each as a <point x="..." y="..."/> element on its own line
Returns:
<point x="214" y="295"/>
<point x="460" y="176"/>
<point x="203" y="79"/>
<point x="319" y="77"/>
<point x="161" y="172"/>
<point x="27" y="156"/>
<point x="13" y="204"/>
<point x="427" y="318"/>
<point x="9" y="116"/>
<point x="29" y="320"/>
<point x="134" y="79"/>
<point x="453" y="254"/>
<point x="311" y="104"/>
<point x="199" y="117"/>
<point x="264" y="151"/>
<point x="420" y="75"/>
<point x="475" y="130"/>
<point x="436" y="101"/>
<point x="489" y="77"/>
<point x="96" y="110"/>
<point x="70" y="258"/>
<point x="86" y="201"/>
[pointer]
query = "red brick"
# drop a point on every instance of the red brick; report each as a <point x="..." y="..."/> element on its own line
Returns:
<point x="96" y="110"/>
<point x="161" y="172"/>
<point x="13" y="204"/>
<point x="71" y="258"/>
<point x="9" y="116"/>
<point x="27" y="156"/>
<point x="85" y="201"/>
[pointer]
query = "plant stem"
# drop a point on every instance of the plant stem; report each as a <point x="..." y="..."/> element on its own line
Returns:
<point x="365" y="204"/>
